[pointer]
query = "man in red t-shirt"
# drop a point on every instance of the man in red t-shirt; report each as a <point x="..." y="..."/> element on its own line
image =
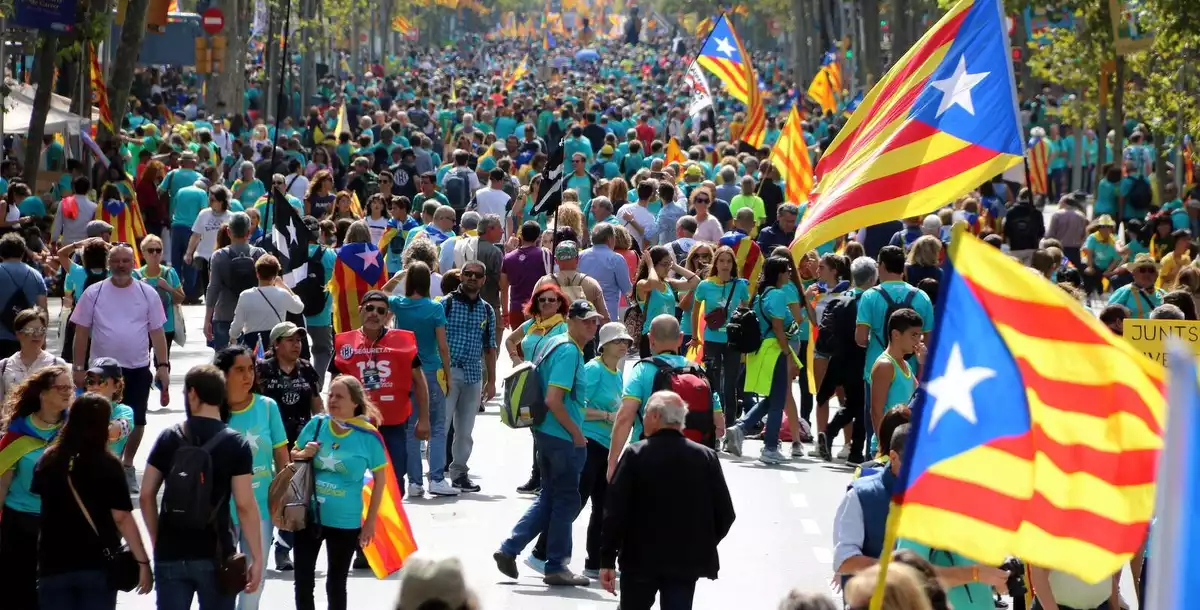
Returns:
<point x="385" y="361"/>
<point x="645" y="132"/>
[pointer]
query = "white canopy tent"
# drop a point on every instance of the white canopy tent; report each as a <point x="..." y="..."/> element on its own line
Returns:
<point x="18" y="112"/>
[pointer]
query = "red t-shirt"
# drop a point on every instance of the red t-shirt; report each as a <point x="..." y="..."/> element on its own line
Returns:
<point x="385" y="367"/>
<point x="645" y="133"/>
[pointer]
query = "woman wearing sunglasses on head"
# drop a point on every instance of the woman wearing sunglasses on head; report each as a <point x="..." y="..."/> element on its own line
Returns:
<point x="164" y="279"/>
<point x="30" y="328"/>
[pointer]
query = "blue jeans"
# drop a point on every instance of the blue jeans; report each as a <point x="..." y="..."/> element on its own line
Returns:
<point x="81" y="590"/>
<point x="555" y="509"/>
<point x="180" y="236"/>
<point x="178" y="582"/>
<point x="771" y="406"/>
<point x="437" y="435"/>
<point x="220" y="332"/>
<point x="249" y="601"/>
<point x="395" y="440"/>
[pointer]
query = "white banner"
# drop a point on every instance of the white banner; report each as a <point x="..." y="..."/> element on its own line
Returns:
<point x="701" y="94"/>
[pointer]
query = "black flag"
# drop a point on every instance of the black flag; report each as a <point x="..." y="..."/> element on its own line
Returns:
<point x="549" y="195"/>
<point x="289" y="239"/>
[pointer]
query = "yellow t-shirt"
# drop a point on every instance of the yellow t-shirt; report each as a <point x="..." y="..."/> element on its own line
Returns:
<point x="1170" y="269"/>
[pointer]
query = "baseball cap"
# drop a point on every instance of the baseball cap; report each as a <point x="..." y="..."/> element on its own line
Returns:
<point x="96" y="228"/>
<point x="694" y="172"/>
<point x="284" y="330"/>
<point x="105" y="368"/>
<point x="373" y="295"/>
<point x="566" y="250"/>
<point x="187" y="155"/>
<point x="606" y="150"/>
<point x="581" y="309"/>
<point x="613" y="331"/>
<point x="424" y="580"/>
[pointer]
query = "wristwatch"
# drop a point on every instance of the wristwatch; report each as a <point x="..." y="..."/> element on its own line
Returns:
<point x="79" y="368"/>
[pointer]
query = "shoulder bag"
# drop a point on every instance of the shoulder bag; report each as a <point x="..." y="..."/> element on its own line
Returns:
<point x="120" y="565"/>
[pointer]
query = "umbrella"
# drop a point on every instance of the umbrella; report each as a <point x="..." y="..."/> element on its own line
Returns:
<point x="587" y="55"/>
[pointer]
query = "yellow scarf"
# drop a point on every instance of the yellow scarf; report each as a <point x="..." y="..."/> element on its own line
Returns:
<point x="543" y="326"/>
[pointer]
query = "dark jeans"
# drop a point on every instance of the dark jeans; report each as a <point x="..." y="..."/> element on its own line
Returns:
<point x="180" y="235"/>
<point x="253" y="338"/>
<point x="137" y="391"/>
<point x="395" y="440"/>
<point x="852" y="410"/>
<point x="1075" y="255"/>
<point x="771" y="406"/>
<point x="638" y="593"/>
<point x="723" y="364"/>
<point x="80" y="590"/>
<point x="340" y="545"/>
<point x="202" y="275"/>
<point x="555" y="509"/>
<point x="18" y="558"/>
<point x="593" y="484"/>
<point x="178" y="582"/>
<point x="220" y="332"/>
<point x="805" y="407"/>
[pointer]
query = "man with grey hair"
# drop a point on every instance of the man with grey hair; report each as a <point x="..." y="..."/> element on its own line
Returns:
<point x="608" y="268"/>
<point x="665" y="474"/>
<point x="231" y="271"/>
<point x="1167" y="311"/>
<point x="469" y="226"/>
<point x="839" y="356"/>
<point x="602" y="210"/>
<point x="783" y="231"/>
<point x="729" y="184"/>
<point x="685" y="238"/>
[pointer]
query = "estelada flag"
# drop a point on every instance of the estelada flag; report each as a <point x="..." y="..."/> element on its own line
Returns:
<point x="18" y="441"/>
<point x="674" y="154"/>
<point x="749" y="257"/>
<point x="127" y="222"/>
<point x="1022" y="380"/>
<point x="940" y="123"/>
<point x="393" y="541"/>
<point x="359" y="268"/>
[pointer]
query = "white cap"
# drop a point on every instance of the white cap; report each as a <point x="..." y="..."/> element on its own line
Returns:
<point x="613" y="331"/>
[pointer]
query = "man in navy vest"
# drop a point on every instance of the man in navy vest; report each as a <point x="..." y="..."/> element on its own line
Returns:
<point x="861" y="520"/>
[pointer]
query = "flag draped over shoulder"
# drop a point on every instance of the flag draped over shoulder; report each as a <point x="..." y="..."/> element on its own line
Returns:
<point x="359" y="268"/>
<point x="725" y="56"/>
<point x="1037" y="431"/>
<point x="941" y="122"/>
<point x="127" y="222"/>
<point x="749" y="257"/>
<point x="790" y="157"/>
<point x="393" y="541"/>
<point x="1039" y="165"/>
<point x="18" y="440"/>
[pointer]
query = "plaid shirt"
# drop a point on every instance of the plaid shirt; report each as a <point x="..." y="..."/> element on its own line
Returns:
<point x="470" y="329"/>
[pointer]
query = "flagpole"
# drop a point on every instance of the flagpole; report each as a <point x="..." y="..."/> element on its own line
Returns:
<point x="283" y="73"/>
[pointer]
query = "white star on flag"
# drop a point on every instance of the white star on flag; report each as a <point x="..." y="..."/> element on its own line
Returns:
<point x="292" y="231"/>
<point x="952" y="390"/>
<point x="370" y="258"/>
<point x="956" y="90"/>
<point x="723" y="46"/>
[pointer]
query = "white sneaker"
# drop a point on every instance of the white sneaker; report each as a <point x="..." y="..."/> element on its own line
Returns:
<point x="443" y="488"/>
<point x="416" y="491"/>
<point x="797" y="449"/>
<point x="844" y="453"/>
<point x="771" y="456"/>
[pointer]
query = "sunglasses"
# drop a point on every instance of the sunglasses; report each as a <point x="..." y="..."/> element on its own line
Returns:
<point x="553" y="300"/>
<point x="375" y="309"/>
<point x="122" y="244"/>
<point x="90" y="380"/>
<point x="472" y="274"/>
<point x="33" y="332"/>
<point x="63" y="388"/>
<point x="152" y="250"/>
<point x="701" y="200"/>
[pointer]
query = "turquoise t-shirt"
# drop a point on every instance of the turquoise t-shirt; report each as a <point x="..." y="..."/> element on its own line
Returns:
<point x="32" y="206"/>
<point x="328" y="260"/>
<point x="1180" y="220"/>
<point x="602" y="392"/>
<point x="871" y="311"/>
<point x="563" y="368"/>
<point x="583" y="186"/>
<point x="658" y="302"/>
<point x="19" y="495"/>
<point x="1106" y="199"/>
<point x="971" y="596"/>
<point x="903" y="383"/>
<point x="76" y="279"/>
<point x="250" y="192"/>
<point x="772" y="304"/>
<point x="505" y="126"/>
<point x="177" y="179"/>
<point x="172" y="277"/>
<point x="714" y="295"/>
<point x="262" y="427"/>
<point x="423" y="317"/>
<point x="1103" y="253"/>
<point x="340" y="464"/>
<point x="532" y="343"/>
<point x="639" y="385"/>
<point x="186" y="206"/>
<point x="125" y="412"/>
<point x="1140" y="303"/>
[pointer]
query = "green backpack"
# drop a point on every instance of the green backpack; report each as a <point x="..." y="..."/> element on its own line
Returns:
<point x="524" y="400"/>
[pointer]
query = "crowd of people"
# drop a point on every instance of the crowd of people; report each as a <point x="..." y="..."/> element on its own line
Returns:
<point x="686" y="325"/>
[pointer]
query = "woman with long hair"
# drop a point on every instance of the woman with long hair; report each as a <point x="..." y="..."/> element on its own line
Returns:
<point x="319" y="197"/>
<point x="570" y="215"/>
<point x="165" y="281"/>
<point x="698" y="261"/>
<point x="716" y="298"/>
<point x="86" y="511"/>
<point x="654" y="288"/>
<point x="343" y="446"/>
<point x="923" y="260"/>
<point x="258" y="420"/>
<point x="247" y="188"/>
<point x="34" y="414"/>
<point x="259" y="309"/>
<point x="767" y="369"/>
<point x="376" y="216"/>
<point x="30" y="328"/>
<point x="203" y="241"/>
<point x="154" y="208"/>
<point x="342" y="208"/>
<point x="319" y="162"/>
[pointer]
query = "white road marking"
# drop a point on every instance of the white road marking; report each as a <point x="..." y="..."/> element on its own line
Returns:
<point x="789" y="477"/>
<point x="810" y="527"/>
<point x="799" y="500"/>
<point x="823" y="555"/>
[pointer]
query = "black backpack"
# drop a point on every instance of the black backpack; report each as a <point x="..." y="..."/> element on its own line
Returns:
<point x="1020" y="229"/>
<point x="892" y="307"/>
<point x="742" y="329"/>
<point x="457" y="186"/>
<point x="311" y="289"/>
<point x="17" y="302"/>
<point x="1140" y="195"/>
<point x="838" y="323"/>
<point x="92" y="276"/>
<point x="188" y="487"/>
<point x="242" y="276"/>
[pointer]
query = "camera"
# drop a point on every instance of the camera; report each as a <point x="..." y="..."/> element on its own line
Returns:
<point x="1016" y="580"/>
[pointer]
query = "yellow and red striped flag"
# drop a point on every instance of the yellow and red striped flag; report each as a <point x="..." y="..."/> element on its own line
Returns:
<point x="749" y="257"/>
<point x="100" y="91"/>
<point x="393" y="541"/>
<point x="511" y="79"/>
<point x="674" y="154"/>
<point x="790" y="157"/>
<point x="821" y="90"/>
<point x="941" y="122"/>
<point x="1039" y="165"/>
<point x="1022" y="380"/>
<point x="359" y="268"/>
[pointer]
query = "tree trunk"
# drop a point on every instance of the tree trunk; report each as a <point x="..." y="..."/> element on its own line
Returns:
<point x="871" y="59"/>
<point x="271" y="67"/>
<point x="1119" y="111"/>
<point x="799" y="44"/>
<point x="308" y="57"/>
<point x="120" y="75"/>
<point x="43" y="75"/>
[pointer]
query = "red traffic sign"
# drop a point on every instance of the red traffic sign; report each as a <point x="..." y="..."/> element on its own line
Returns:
<point x="213" y="21"/>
